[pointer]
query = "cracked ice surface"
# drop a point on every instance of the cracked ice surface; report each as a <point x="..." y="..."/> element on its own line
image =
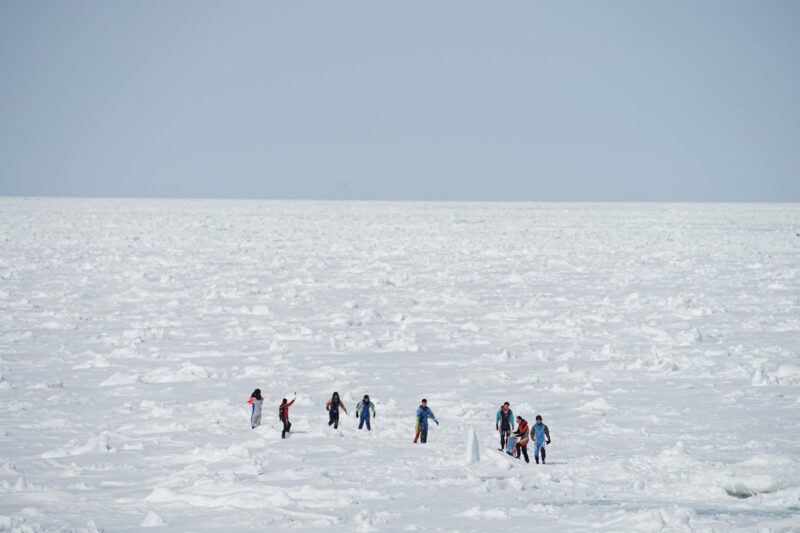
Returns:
<point x="659" y="341"/>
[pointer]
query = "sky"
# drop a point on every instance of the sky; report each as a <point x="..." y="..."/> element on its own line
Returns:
<point x="622" y="100"/>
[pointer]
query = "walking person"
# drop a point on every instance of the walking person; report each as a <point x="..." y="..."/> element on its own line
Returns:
<point x="363" y="410"/>
<point x="423" y="414"/>
<point x="504" y="423"/>
<point x="256" y="401"/>
<point x="541" y="436"/>
<point x="333" y="406"/>
<point x="283" y="415"/>
<point x="521" y="439"/>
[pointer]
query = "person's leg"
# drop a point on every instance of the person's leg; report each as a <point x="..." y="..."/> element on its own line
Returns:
<point x="543" y="454"/>
<point x="368" y="426"/>
<point x="330" y="418"/>
<point x="536" y="453"/>
<point x="503" y="438"/>
<point x="336" y="421"/>
<point x="424" y="435"/>
<point x="361" y="423"/>
<point x="283" y="433"/>
<point x="525" y="453"/>
<point x="416" y="435"/>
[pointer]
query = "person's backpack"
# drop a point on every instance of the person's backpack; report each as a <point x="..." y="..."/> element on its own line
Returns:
<point x="511" y="440"/>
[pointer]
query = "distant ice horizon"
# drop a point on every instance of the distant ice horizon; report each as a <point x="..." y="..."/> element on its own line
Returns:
<point x="403" y="200"/>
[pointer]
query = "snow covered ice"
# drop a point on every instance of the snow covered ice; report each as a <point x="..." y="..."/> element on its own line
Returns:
<point x="661" y="344"/>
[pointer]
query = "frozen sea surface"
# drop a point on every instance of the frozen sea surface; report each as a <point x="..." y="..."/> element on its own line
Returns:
<point x="660" y="342"/>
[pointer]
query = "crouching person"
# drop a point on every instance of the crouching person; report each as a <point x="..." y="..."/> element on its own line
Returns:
<point x="522" y="438"/>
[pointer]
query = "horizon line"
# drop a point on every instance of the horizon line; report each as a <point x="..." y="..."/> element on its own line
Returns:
<point x="384" y="200"/>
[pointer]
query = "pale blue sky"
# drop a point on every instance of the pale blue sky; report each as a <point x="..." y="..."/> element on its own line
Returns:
<point x="591" y="100"/>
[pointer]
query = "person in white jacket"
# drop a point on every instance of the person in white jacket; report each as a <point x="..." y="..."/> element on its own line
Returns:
<point x="256" y="401"/>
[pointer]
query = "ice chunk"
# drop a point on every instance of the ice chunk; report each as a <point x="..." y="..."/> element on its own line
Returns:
<point x="472" y="454"/>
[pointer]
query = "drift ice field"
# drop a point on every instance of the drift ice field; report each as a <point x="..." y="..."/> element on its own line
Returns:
<point x="660" y="343"/>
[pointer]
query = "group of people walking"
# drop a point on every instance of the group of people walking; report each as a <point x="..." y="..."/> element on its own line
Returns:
<point x="365" y="410"/>
<point x="256" y="401"/>
<point x="515" y="441"/>
<point x="515" y="433"/>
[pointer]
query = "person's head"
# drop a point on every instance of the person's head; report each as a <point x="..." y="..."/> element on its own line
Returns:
<point x="283" y="402"/>
<point x="519" y="419"/>
<point x="366" y="397"/>
<point x="424" y="402"/>
<point x="336" y="395"/>
<point x="538" y="418"/>
<point x="506" y="406"/>
<point x="256" y="394"/>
